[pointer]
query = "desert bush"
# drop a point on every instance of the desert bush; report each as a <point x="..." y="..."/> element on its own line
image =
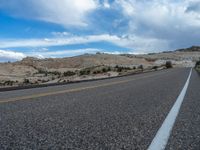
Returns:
<point x="94" y="72"/>
<point x="55" y="73"/>
<point x="104" y="70"/>
<point x="197" y="64"/>
<point x="44" y="81"/>
<point x="98" y="71"/>
<point x="10" y="83"/>
<point x="116" y="66"/>
<point x="69" y="73"/>
<point x="85" y="72"/>
<point x="119" y="69"/>
<point x="168" y="64"/>
<point x="41" y="71"/>
<point x="26" y="81"/>
<point x="98" y="53"/>
<point x="126" y="68"/>
<point x="141" y="67"/>
<point x="155" y="67"/>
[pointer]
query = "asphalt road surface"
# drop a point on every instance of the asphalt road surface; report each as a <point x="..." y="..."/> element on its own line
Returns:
<point x="112" y="114"/>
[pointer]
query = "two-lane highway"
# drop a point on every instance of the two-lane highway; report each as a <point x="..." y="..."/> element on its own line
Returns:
<point x="119" y="113"/>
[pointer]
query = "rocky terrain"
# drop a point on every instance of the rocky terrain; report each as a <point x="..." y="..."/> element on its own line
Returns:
<point x="180" y="58"/>
<point x="90" y="66"/>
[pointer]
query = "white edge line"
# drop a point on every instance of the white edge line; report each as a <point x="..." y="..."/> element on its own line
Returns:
<point x="160" y="140"/>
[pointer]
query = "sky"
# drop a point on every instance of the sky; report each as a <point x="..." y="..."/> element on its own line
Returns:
<point x="65" y="28"/>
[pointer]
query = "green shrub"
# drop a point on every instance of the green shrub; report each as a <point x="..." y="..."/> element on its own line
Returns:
<point x="94" y="72"/>
<point x="85" y="72"/>
<point x="82" y="72"/>
<point x="119" y="69"/>
<point x="155" y="67"/>
<point x="55" y="73"/>
<point x="69" y="73"/>
<point x="104" y="70"/>
<point x="116" y="66"/>
<point x="141" y="67"/>
<point x="197" y="64"/>
<point x="41" y="71"/>
<point x="168" y="64"/>
<point x="10" y="83"/>
<point x="88" y="72"/>
<point x="44" y="81"/>
<point x="98" y="71"/>
<point x="26" y="81"/>
<point x="127" y="68"/>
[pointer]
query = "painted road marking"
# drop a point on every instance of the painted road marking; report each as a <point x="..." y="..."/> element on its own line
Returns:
<point x="72" y="90"/>
<point x="163" y="134"/>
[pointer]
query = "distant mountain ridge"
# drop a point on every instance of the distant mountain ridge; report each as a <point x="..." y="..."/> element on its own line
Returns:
<point x="190" y="49"/>
<point x="89" y="66"/>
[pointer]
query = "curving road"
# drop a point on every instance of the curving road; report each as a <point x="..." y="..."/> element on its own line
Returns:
<point x="119" y="113"/>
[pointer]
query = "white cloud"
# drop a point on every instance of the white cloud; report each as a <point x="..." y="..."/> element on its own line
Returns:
<point x="62" y="53"/>
<point x="8" y="55"/>
<point x="177" y="22"/>
<point x="48" y="42"/>
<point x="63" y="12"/>
<point x="61" y="34"/>
<point x="11" y="55"/>
<point x="153" y="25"/>
<point x="131" y="42"/>
<point x="106" y="4"/>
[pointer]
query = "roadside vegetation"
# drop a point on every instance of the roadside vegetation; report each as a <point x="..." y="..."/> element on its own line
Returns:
<point x="168" y="64"/>
<point x="197" y="66"/>
<point x="43" y="76"/>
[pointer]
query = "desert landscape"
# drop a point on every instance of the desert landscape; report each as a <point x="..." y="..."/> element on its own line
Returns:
<point x="90" y="66"/>
<point x="100" y="74"/>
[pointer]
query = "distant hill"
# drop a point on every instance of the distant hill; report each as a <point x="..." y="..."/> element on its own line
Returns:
<point x="89" y="66"/>
<point x="82" y="61"/>
<point x="190" y="49"/>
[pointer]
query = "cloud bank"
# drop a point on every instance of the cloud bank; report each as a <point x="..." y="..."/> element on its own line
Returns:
<point x="7" y="55"/>
<point x="139" y="43"/>
<point x="63" y="12"/>
<point x="177" y="22"/>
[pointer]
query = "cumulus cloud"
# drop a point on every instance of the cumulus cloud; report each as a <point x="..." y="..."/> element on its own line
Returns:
<point x="142" y="25"/>
<point x="176" y="22"/>
<point x="106" y="4"/>
<point x="7" y="55"/>
<point x="194" y="6"/>
<point x="63" y="12"/>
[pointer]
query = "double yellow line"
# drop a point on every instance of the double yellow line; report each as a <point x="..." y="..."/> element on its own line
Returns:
<point x="70" y="90"/>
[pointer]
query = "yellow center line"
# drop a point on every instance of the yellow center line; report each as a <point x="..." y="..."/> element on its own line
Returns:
<point x="70" y="90"/>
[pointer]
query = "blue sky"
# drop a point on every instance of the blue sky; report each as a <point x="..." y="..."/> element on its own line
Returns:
<point x="63" y="28"/>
